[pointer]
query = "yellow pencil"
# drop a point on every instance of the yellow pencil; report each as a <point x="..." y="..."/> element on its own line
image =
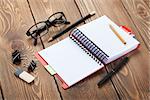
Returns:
<point x="117" y="34"/>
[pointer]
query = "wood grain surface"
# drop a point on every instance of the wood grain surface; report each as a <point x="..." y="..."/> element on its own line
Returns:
<point x="131" y="81"/>
<point x="147" y="2"/>
<point x="139" y="12"/>
<point x="15" y="19"/>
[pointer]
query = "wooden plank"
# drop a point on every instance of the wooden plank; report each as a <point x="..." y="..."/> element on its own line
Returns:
<point x="139" y="12"/>
<point x="140" y="15"/>
<point x="15" y="19"/>
<point x="132" y="81"/>
<point x="86" y="89"/>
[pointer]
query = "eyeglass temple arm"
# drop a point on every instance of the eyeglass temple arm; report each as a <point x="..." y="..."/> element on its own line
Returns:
<point x="67" y="22"/>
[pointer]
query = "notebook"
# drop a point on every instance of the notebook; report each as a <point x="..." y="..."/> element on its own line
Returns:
<point x="87" y="49"/>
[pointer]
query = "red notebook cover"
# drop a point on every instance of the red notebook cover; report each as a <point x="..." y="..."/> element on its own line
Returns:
<point x="44" y="63"/>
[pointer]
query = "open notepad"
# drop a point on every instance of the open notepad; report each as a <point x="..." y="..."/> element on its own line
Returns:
<point x="85" y="50"/>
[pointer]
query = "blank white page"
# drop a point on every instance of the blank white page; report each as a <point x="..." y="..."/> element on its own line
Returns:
<point x="69" y="61"/>
<point x="100" y="33"/>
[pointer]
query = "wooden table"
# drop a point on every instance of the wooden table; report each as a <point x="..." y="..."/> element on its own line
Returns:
<point x="16" y="16"/>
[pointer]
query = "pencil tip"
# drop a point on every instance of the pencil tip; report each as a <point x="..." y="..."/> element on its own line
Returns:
<point x="92" y="13"/>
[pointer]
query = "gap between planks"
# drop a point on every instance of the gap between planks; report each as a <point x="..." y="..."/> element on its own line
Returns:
<point x="44" y="48"/>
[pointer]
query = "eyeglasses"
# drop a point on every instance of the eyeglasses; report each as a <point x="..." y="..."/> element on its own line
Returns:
<point x="42" y="28"/>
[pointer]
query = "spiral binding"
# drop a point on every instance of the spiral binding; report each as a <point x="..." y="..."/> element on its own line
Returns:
<point x="88" y="46"/>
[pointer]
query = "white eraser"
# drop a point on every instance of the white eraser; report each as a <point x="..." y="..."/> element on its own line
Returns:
<point x="24" y="75"/>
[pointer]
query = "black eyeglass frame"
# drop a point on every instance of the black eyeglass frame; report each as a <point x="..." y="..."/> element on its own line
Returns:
<point x="48" y="23"/>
